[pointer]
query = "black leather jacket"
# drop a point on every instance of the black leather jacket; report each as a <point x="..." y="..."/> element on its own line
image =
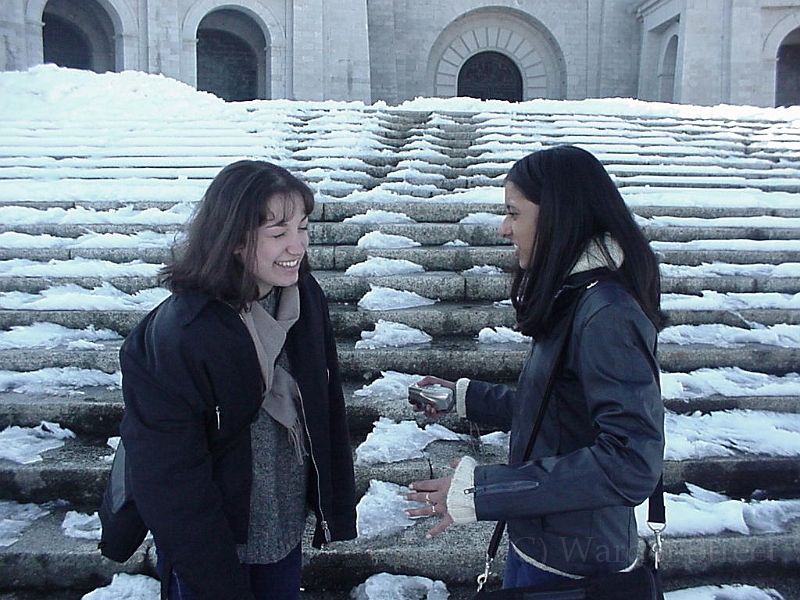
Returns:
<point x="192" y="387"/>
<point x="600" y="449"/>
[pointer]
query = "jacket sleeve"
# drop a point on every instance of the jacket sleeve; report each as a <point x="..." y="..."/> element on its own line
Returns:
<point x="312" y="350"/>
<point x="165" y="432"/>
<point x="489" y="404"/>
<point x="615" y="364"/>
<point x="343" y="526"/>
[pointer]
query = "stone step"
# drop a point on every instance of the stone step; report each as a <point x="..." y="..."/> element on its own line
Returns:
<point x="436" y="210"/>
<point x="187" y="140"/>
<point x="341" y="181"/>
<point x="468" y="358"/>
<point x="76" y="147"/>
<point x="786" y="584"/>
<point x="448" y="358"/>
<point x="340" y="286"/>
<point x="441" y="285"/>
<point x="442" y="318"/>
<point x="657" y="139"/>
<point x="766" y="176"/>
<point x="44" y="558"/>
<point x="77" y="472"/>
<point x="90" y="412"/>
<point x="439" y="258"/>
<point x="428" y="233"/>
<point x="94" y="413"/>
<point x="434" y="222"/>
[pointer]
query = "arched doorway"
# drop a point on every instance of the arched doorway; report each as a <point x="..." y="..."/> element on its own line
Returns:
<point x="787" y="74"/>
<point x="666" y="74"/>
<point x="78" y="34"/>
<point x="231" y="56"/>
<point x="490" y="76"/>
<point x="521" y="41"/>
<point x="64" y="44"/>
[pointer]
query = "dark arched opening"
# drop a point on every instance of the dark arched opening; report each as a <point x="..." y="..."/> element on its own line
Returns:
<point x="787" y="75"/>
<point x="226" y="66"/>
<point x="65" y="44"/>
<point x="666" y="76"/>
<point x="490" y="76"/>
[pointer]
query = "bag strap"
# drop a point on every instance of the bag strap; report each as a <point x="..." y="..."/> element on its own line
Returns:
<point x="561" y="344"/>
<point x="656" y="514"/>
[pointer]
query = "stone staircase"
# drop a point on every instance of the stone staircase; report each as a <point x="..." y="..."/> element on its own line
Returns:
<point x="434" y="166"/>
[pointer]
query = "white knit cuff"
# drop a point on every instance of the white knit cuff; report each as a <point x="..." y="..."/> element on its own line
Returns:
<point x="461" y="496"/>
<point x="461" y="397"/>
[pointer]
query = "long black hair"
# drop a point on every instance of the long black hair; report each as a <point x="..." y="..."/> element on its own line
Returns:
<point x="578" y="202"/>
<point x="242" y="197"/>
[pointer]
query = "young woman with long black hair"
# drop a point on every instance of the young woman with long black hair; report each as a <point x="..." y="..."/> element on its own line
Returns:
<point x="599" y="452"/>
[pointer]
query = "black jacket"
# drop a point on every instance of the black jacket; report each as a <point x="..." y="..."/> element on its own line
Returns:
<point x="600" y="450"/>
<point x="192" y="387"/>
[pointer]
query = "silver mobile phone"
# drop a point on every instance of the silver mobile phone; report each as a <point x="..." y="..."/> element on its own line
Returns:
<point x="439" y="397"/>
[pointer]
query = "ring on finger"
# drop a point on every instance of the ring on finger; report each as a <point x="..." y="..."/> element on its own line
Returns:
<point x="428" y="498"/>
<point x="433" y="509"/>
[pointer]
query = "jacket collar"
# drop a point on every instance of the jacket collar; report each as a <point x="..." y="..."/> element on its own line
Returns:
<point x="601" y="252"/>
<point x="194" y="301"/>
<point x="602" y="257"/>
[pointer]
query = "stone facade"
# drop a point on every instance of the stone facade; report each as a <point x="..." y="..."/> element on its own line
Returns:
<point x="689" y="51"/>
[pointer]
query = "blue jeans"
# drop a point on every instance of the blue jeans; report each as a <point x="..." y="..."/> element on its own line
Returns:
<point x="519" y="573"/>
<point x="274" y="581"/>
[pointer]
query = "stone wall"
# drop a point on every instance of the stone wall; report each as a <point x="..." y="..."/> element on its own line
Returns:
<point x="690" y="51"/>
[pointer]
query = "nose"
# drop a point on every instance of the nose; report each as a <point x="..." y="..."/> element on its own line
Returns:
<point x="299" y="243"/>
<point x="504" y="230"/>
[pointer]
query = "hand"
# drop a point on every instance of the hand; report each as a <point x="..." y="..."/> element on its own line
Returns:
<point x="434" y="493"/>
<point x="431" y="380"/>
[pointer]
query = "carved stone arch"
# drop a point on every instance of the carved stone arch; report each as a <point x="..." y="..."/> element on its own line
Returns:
<point x="516" y="35"/>
<point x="121" y="16"/>
<point x="123" y="21"/>
<point x="773" y="40"/>
<point x="273" y="57"/>
<point x="769" y="54"/>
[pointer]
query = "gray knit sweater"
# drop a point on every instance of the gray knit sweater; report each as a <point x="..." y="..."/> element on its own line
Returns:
<point x="278" y="499"/>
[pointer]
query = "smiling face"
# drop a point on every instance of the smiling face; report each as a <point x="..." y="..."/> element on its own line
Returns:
<point x="281" y="244"/>
<point x="519" y="224"/>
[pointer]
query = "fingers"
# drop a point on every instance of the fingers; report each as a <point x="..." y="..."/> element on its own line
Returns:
<point x="433" y="492"/>
<point x="429" y="485"/>
<point x="440" y="527"/>
<point x="431" y="380"/>
<point x="429" y="510"/>
<point x="431" y="499"/>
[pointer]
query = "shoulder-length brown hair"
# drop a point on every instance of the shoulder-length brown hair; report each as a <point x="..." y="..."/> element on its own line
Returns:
<point x="242" y="197"/>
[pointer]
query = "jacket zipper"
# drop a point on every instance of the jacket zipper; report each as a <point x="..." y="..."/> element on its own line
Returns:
<point x="323" y="521"/>
<point x="504" y="488"/>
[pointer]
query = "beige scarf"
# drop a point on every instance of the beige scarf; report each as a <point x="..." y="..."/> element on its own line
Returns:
<point x="269" y="336"/>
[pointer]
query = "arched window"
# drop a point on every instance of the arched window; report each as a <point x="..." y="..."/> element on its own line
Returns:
<point x="787" y="76"/>
<point x="65" y="44"/>
<point x="490" y="76"/>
